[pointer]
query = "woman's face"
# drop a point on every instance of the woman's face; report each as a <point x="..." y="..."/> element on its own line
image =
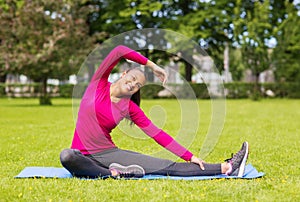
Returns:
<point x="131" y="82"/>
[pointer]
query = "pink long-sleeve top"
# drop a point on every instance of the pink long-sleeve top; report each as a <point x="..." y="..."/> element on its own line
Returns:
<point x="98" y="115"/>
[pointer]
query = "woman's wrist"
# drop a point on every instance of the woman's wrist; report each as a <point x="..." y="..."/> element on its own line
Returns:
<point x="193" y="158"/>
<point x="160" y="73"/>
<point x="151" y="64"/>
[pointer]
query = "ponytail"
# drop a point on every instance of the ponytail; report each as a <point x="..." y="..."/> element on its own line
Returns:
<point x="136" y="98"/>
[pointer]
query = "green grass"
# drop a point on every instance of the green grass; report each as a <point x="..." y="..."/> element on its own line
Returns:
<point x="33" y="135"/>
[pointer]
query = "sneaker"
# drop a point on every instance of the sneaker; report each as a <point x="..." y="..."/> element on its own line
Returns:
<point x="130" y="171"/>
<point x="238" y="161"/>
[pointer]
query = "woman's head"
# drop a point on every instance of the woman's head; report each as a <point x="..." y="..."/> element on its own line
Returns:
<point x="130" y="83"/>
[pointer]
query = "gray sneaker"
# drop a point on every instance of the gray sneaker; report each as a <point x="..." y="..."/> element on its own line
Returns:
<point x="131" y="171"/>
<point x="238" y="161"/>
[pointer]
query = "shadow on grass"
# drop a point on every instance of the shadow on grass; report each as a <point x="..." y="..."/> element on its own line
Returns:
<point x="31" y="102"/>
<point x="37" y="105"/>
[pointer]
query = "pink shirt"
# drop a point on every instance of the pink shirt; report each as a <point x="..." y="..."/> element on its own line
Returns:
<point x="98" y="115"/>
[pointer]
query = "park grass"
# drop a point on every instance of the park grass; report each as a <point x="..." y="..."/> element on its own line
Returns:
<point x="33" y="135"/>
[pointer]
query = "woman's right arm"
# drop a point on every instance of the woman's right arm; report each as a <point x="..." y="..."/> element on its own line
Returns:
<point x="114" y="57"/>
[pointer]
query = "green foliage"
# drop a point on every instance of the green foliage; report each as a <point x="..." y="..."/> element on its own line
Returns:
<point x="2" y="90"/>
<point x="238" y="90"/>
<point x="235" y="90"/>
<point x="142" y="12"/>
<point x="211" y="23"/>
<point x="286" y="53"/>
<point x="200" y="90"/>
<point x="252" y="34"/>
<point x="284" y="90"/>
<point x="45" y="39"/>
<point x="254" y="31"/>
<point x="205" y="22"/>
<point x="237" y="67"/>
<point x="150" y="91"/>
<point x="66" y="90"/>
<point x="45" y="100"/>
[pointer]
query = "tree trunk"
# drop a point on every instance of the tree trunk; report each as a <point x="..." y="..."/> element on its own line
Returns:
<point x="187" y="58"/>
<point x="2" y="78"/>
<point x="44" y="97"/>
<point x="188" y="71"/>
<point x="256" y="91"/>
<point x="149" y="74"/>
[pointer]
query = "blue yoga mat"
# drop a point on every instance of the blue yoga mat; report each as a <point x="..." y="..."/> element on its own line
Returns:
<point x="52" y="172"/>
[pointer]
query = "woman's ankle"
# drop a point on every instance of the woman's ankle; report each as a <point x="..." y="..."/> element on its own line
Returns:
<point x="225" y="167"/>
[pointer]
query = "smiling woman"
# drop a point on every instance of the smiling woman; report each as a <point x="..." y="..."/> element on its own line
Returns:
<point x="104" y="105"/>
<point x="128" y="86"/>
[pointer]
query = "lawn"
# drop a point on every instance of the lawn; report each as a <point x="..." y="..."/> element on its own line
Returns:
<point x="33" y="135"/>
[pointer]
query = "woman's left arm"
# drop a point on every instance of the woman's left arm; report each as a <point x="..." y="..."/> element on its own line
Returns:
<point x="158" y="71"/>
<point x="198" y="161"/>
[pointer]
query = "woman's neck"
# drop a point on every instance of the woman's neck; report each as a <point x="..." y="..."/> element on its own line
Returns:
<point x="114" y="93"/>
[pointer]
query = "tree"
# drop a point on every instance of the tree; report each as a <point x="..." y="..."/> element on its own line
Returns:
<point x="178" y="19"/>
<point x="203" y="22"/>
<point x="49" y="38"/>
<point x="206" y="22"/>
<point x="8" y="40"/>
<point x="251" y="34"/>
<point x="286" y="53"/>
<point x="113" y="18"/>
<point x="236" y="64"/>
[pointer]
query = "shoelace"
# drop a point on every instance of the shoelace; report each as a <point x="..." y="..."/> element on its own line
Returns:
<point x="233" y="157"/>
<point x="126" y="175"/>
<point x="123" y="174"/>
<point x="228" y="160"/>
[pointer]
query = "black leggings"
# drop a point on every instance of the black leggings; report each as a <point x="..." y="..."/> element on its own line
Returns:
<point x="96" y="165"/>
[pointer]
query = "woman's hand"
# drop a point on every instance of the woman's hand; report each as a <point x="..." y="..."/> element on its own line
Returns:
<point x="158" y="71"/>
<point x="198" y="161"/>
<point x="161" y="74"/>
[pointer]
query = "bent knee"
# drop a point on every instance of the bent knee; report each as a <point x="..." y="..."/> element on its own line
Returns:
<point x="67" y="156"/>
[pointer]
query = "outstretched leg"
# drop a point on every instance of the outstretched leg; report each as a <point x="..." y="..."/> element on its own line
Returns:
<point x="191" y="169"/>
<point x="157" y="166"/>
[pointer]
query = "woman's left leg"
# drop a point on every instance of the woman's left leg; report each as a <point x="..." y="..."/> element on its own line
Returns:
<point x="81" y="166"/>
<point x="154" y="165"/>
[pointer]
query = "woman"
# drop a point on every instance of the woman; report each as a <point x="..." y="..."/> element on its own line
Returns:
<point x="104" y="105"/>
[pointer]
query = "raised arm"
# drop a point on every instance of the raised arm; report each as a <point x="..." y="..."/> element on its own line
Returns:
<point x="114" y="57"/>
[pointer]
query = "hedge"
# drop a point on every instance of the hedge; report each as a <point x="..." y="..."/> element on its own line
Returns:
<point x="151" y="91"/>
<point x="233" y="90"/>
<point x="2" y="90"/>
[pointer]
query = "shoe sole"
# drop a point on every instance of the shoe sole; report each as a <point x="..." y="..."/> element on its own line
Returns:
<point x="139" y="171"/>
<point x="243" y="164"/>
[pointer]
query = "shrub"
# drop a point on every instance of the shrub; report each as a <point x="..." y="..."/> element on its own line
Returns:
<point x="45" y="100"/>
<point x="2" y="90"/>
<point x="283" y="90"/>
<point x="66" y="90"/>
<point x="238" y="90"/>
<point x="201" y="90"/>
<point x="150" y="91"/>
<point x="234" y="90"/>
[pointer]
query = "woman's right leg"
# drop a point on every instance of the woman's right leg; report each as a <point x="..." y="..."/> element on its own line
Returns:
<point x="154" y="165"/>
<point x="82" y="166"/>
